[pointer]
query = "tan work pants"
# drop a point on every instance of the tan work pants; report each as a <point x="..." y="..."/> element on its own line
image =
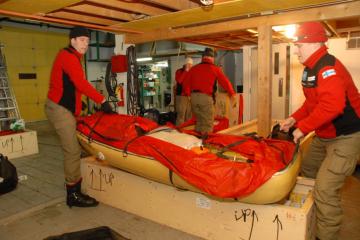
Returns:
<point x="183" y="109"/>
<point x="64" y="123"/>
<point x="330" y="161"/>
<point x="202" y="106"/>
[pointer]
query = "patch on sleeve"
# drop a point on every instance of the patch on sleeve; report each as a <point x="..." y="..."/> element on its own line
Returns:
<point x="328" y="73"/>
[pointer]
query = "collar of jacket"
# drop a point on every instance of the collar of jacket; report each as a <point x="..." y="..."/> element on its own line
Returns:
<point x="207" y="60"/>
<point x="73" y="50"/>
<point x="314" y="58"/>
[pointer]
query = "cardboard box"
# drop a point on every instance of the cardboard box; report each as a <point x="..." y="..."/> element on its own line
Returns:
<point x="19" y="144"/>
<point x="198" y="214"/>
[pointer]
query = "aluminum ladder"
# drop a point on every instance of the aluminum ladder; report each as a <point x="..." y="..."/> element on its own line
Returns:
<point x="9" y="111"/>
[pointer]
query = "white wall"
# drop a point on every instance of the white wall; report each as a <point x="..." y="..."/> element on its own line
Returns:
<point x="350" y="58"/>
<point x="337" y="47"/>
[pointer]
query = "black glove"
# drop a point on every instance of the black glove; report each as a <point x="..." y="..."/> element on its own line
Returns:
<point x="106" y="107"/>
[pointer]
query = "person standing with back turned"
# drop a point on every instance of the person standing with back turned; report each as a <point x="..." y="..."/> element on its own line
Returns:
<point x="332" y="110"/>
<point x="67" y="84"/>
<point x="183" y="105"/>
<point x="201" y="82"/>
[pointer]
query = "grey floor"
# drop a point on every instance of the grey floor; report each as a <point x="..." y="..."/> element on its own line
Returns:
<point x="36" y="209"/>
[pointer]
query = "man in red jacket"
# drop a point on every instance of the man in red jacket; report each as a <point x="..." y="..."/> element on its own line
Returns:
<point x="332" y="110"/>
<point x="201" y="82"/>
<point x="67" y="84"/>
<point x="183" y="105"/>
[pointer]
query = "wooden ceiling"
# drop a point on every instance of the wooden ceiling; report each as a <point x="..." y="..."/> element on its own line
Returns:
<point x="223" y="25"/>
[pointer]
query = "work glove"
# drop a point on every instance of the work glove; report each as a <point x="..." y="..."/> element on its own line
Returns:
<point x="106" y="107"/>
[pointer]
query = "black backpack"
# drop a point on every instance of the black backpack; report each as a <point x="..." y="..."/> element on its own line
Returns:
<point x="8" y="175"/>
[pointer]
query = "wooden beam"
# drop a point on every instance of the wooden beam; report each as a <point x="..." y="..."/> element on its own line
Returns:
<point x="66" y="22"/>
<point x="35" y="7"/>
<point x="132" y="7"/>
<point x="337" y="11"/>
<point x="101" y="11"/>
<point x="175" y="4"/>
<point x="264" y="80"/>
<point x="83" y="18"/>
<point x="217" y="12"/>
<point x="331" y="25"/>
<point x="347" y="30"/>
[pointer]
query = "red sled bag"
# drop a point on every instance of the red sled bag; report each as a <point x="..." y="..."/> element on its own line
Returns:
<point x="8" y="175"/>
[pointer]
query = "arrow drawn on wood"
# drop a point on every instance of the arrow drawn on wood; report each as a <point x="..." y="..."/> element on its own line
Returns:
<point x="278" y="226"/>
<point x="253" y="215"/>
<point x="21" y="142"/>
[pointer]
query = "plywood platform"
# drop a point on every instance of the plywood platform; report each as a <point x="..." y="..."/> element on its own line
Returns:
<point x="198" y="214"/>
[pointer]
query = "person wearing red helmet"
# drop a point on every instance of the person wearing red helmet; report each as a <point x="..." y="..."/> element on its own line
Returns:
<point x="201" y="83"/>
<point x="332" y="110"/>
<point x="67" y="85"/>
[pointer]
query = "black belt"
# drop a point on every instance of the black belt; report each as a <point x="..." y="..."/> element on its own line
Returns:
<point x="196" y="91"/>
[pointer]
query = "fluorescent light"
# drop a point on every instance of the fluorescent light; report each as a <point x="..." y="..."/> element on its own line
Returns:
<point x="251" y="31"/>
<point x="144" y="59"/>
<point x="287" y="30"/>
<point x="162" y="64"/>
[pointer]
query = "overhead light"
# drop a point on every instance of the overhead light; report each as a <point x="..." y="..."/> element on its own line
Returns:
<point x="207" y="2"/>
<point x="144" y="59"/>
<point x="287" y="30"/>
<point x="162" y="64"/>
<point x="252" y="31"/>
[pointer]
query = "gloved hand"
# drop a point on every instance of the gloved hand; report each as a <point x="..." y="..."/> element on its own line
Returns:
<point x="106" y="107"/>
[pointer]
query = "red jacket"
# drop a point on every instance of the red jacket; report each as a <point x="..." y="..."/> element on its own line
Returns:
<point x="203" y="76"/>
<point x="179" y="77"/>
<point x="332" y="105"/>
<point x="68" y="82"/>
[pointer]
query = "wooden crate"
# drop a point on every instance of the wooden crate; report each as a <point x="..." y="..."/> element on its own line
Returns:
<point x="19" y="144"/>
<point x="198" y="214"/>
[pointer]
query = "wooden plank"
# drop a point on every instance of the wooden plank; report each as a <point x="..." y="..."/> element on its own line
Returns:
<point x="91" y="9"/>
<point x="218" y="11"/>
<point x="338" y="11"/>
<point x="264" y="80"/>
<point x="195" y="213"/>
<point x="64" y="21"/>
<point x="82" y="18"/>
<point x="36" y="7"/>
<point x="175" y="4"/>
<point x="132" y="7"/>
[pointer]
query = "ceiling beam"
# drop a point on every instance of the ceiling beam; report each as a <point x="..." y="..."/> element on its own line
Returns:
<point x="337" y="11"/>
<point x="105" y="12"/>
<point x="66" y="22"/>
<point x="225" y="10"/>
<point x="131" y="7"/>
<point x="347" y="30"/>
<point x="82" y="18"/>
<point x="175" y="4"/>
<point x="38" y="7"/>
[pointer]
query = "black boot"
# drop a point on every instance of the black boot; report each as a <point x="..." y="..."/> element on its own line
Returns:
<point x="78" y="199"/>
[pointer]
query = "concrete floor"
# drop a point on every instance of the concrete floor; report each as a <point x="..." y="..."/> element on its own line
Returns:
<point x="36" y="209"/>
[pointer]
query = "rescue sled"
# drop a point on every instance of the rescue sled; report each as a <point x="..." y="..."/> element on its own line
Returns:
<point x="226" y="167"/>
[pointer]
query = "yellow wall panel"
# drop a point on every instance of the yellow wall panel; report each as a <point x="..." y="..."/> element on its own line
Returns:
<point x="29" y="51"/>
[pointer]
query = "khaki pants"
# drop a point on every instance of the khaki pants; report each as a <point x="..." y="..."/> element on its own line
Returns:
<point x="330" y="161"/>
<point x="183" y="109"/>
<point x="202" y="106"/>
<point x="64" y="123"/>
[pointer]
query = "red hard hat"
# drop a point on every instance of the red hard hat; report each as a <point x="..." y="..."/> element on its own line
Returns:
<point x="310" y="32"/>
